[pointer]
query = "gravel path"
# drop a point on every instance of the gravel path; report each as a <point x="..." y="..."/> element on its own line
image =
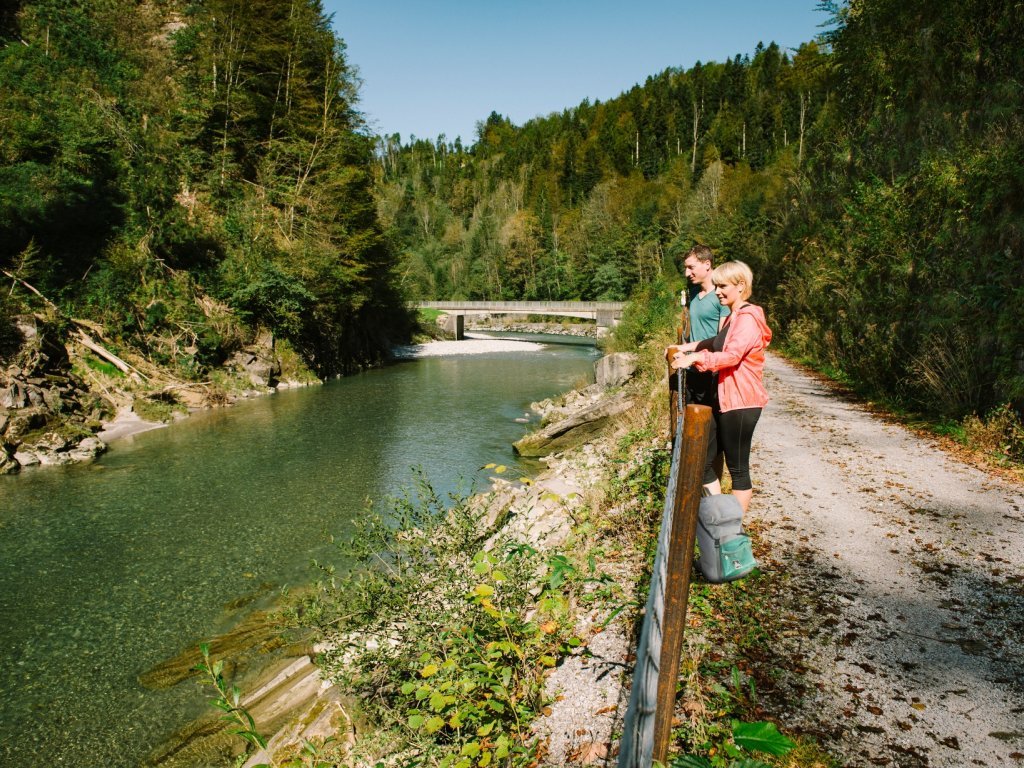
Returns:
<point x="912" y="568"/>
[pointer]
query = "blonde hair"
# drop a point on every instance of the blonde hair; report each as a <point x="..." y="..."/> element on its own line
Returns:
<point x="734" y="273"/>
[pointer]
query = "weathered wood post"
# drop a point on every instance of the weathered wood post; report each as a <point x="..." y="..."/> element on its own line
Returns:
<point x="673" y="402"/>
<point x="682" y="332"/>
<point x="696" y="422"/>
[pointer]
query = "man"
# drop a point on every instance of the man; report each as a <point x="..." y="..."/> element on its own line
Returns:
<point x="707" y="316"/>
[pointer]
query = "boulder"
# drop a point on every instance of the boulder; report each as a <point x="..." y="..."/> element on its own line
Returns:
<point x="26" y="458"/>
<point x="50" y="441"/>
<point x="575" y="429"/>
<point x="42" y="347"/>
<point x="8" y="465"/>
<point x="23" y="421"/>
<point x="615" y="370"/>
<point x="87" y="450"/>
<point x="13" y="396"/>
<point x="35" y="396"/>
<point x="259" y="362"/>
<point x="543" y="515"/>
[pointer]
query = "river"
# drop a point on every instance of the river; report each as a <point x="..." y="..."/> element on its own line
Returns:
<point x="109" y="568"/>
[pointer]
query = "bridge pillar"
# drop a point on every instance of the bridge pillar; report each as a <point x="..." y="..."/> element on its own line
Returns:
<point x="605" y="318"/>
<point x="456" y="326"/>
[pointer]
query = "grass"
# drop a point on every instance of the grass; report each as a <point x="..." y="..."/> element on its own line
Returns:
<point x="156" y="408"/>
<point x="103" y="367"/>
<point x="293" y="368"/>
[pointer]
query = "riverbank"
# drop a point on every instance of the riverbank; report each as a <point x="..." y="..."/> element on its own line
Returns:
<point x="35" y="405"/>
<point x="547" y="518"/>
<point x="64" y="396"/>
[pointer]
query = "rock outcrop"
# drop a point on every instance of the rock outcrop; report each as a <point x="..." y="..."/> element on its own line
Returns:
<point x="615" y="370"/>
<point x="585" y="412"/>
<point x="258" y="362"/>
<point x="47" y="415"/>
<point x="576" y="429"/>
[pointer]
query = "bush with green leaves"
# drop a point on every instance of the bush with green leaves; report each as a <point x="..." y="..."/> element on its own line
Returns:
<point x="652" y="309"/>
<point x="445" y="634"/>
<point x="746" y="738"/>
<point x="10" y="337"/>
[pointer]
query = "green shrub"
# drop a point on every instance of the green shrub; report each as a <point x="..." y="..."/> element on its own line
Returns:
<point x="652" y="311"/>
<point x="444" y="640"/>
<point x="10" y="337"/>
<point x="1000" y="433"/>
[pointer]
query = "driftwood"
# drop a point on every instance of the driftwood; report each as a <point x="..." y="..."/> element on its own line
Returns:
<point x="29" y="287"/>
<point x="83" y="337"/>
<point x="89" y="324"/>
<point x="110" y="357"/>
<point x="94" y="327"/>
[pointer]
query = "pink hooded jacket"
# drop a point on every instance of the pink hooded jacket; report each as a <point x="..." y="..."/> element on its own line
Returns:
<point x="741" y="360"/>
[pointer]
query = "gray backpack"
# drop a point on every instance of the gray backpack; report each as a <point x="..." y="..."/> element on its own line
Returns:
<point x="725" y="553"/>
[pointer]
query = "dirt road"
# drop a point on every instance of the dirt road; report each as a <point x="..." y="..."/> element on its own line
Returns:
<point x="908" y="576"/>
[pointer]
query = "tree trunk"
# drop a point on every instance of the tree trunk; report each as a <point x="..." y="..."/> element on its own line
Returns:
<point x="696" y="126"/>
<point x="803" y="114"/>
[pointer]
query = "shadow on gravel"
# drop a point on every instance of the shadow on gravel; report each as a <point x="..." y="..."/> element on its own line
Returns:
<point x="937" y="681"/>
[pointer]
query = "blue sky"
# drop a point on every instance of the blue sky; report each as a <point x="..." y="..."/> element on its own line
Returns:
<point x="439" y="67"/>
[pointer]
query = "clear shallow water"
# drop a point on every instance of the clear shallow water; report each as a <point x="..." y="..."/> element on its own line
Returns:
<point x="110" y="568"/>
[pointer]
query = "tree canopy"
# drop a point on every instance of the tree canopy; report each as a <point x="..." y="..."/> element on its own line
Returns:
<point x="872" y="178"/>
<point x="157" y="154"/>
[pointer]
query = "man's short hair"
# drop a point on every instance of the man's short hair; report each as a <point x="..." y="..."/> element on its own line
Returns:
<point x="701" y="253"/>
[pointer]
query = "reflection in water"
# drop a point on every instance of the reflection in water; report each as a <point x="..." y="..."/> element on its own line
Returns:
<point x="108" y="569"/>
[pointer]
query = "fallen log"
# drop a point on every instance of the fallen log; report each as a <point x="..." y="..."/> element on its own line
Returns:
<point x="110" y="357"/>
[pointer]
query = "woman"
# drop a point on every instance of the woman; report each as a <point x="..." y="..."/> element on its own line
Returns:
<point x="737" y="353"/>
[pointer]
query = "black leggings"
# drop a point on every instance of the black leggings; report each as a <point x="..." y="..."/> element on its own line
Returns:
<point x="731" y="432"/>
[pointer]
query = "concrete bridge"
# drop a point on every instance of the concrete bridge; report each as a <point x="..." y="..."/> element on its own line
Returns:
<point x="606" y="313"/>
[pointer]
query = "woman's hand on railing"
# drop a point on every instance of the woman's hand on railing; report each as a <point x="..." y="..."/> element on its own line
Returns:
<point x="675" y="349"/>
<point x="681" y="355"/>
<point x="683" y="360"/>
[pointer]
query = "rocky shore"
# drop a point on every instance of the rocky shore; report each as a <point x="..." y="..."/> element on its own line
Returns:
<point x="48" y="416"/>
<point x="501" y="324"/>
<point x="57" y="406"/>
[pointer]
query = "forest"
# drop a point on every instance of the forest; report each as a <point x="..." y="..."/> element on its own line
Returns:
<point x="188" y="174"/>
<point x="872" y="179"/>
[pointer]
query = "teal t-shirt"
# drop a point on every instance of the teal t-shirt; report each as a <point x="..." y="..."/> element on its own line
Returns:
<point x="705" y="314"/>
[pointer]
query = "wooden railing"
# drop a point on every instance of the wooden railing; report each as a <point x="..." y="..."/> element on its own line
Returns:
<point x="648" y="722"/>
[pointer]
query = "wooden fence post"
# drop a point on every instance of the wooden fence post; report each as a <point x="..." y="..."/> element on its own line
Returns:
<point x="673" y="403"/>
<point x="696" y="421"/>
<point x="682" y="332"/>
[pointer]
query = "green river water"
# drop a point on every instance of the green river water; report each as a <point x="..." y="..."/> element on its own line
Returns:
<point x="109" y="568"/>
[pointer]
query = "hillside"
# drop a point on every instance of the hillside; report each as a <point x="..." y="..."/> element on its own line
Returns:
<point x="872" y="179"/>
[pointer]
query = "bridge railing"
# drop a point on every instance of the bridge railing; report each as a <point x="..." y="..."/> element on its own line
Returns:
<point x="525" y="306"/>
<point x="648" y="722"/>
